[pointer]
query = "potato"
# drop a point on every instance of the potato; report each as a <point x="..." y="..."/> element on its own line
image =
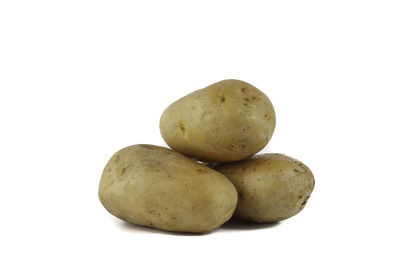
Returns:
<point x="227" y="121"/>
<point x="160" y="188"/>
<point x="271" y="187"/>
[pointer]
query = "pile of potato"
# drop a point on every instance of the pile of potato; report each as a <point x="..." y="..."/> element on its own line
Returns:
<point x="223" y="125"/>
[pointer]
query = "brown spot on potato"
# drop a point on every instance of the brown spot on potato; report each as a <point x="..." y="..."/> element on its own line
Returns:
<point x="182" y="127"/>
<point x="221" y="99"/>
<point x="305" y="201"/>
<point x="232" y="147"/>
<point x="123" y="169"/>
<point x="298" y="163"/>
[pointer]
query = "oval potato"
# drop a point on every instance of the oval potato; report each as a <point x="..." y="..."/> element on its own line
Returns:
<point x="271" y="187"/>
<point x="157" y="187"/>
<point x="227" y="121"/>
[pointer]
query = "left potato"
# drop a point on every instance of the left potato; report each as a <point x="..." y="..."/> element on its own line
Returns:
<point x="160" y="188"/>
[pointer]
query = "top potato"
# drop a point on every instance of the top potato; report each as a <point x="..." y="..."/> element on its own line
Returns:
<point x="227" y="121"/>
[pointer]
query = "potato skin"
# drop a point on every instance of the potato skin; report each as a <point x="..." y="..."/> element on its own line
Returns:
<point x="160" y="188"/>
<point x="271" y="187"/>
<point x="227" y="121"/>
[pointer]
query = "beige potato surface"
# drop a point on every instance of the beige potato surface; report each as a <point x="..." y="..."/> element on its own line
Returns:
<point x="271" y="187"/>
<point x="227" y="121"/>
<point x="160" y="188"/>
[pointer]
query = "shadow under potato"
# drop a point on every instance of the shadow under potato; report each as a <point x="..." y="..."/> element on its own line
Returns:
<point x="232" y="224"/>
<point x="140" y="228"/>
<point x="236" y="224"/>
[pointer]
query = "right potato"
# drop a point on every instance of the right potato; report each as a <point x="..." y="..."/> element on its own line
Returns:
<point x="271" y="187"/>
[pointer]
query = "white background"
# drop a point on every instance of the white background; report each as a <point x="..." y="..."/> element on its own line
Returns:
<point x="81" y="79"/>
